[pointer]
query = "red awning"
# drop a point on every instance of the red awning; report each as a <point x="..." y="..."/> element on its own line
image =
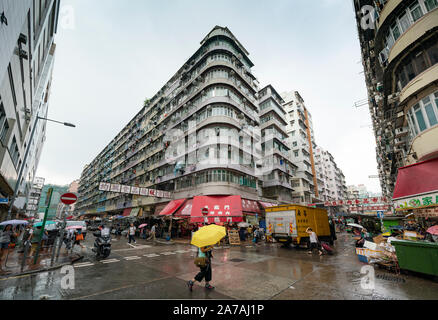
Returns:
<point x="250" y="206"/>
<point x="185" y="210"/>
<point x="267" y="204"/>
<point x="171" y="207"/>
<point x="417" y="179"/>
<point x="127" y="212"/>
<point x="221" y="209"/>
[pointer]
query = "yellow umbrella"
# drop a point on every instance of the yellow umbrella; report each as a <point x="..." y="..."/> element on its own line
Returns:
<point x="208" y="236"/>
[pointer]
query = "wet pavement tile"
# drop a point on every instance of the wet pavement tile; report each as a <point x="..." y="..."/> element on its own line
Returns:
<point x="169" y="288"/>
<point x="293" y="270"/>
<point x="241" y="283"/>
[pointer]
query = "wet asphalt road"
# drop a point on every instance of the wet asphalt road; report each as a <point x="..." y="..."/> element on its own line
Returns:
<point x="148" y="271"/>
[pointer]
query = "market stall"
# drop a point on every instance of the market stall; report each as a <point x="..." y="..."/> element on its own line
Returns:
<point x="414" y="245"/>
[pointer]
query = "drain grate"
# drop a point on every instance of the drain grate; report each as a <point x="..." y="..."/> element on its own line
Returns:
<point x="237" y="260"/>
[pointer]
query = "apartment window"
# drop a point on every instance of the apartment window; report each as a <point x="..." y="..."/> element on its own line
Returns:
<point x="11" y="83"/>
<point x="13" y="150"/>
<point x="424" y="114"/>
<point x="4" y="126"/>
<point x="296" y="153"/>
<point x="416" y="11"/>
<point x="417" y="62"/>
<point x="430" y="4"/>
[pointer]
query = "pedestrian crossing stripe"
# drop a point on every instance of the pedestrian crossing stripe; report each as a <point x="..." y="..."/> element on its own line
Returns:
<point x="132" y="258"/>
<point x="86" y="264"/>
<point x="151" y="255"/>
<point x="168" y="253"/>
<point x="110" y="261"/>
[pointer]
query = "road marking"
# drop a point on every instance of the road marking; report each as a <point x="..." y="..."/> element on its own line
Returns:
<point x="132" y="245"/>
<point x="132" y="258"/>
<point x="182" y="251"/>
<point x="80" y="265"/>
<point x="134" y="248"/>
<point x="110" y="261"/>
<point x="151" y="255"/>
<point x="168" y="253"/>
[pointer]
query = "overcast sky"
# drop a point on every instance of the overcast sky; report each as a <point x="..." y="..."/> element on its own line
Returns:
<point x="113" y="54"/>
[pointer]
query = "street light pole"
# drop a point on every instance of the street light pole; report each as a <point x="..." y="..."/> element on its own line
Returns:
<point x="20" y="173"/>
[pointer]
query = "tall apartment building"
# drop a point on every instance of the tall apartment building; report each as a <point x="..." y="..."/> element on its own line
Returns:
<point x="198" y="136"/>
<point x="333" y="186"/>
<point x="27" y="30"/>
<point x="299" y="128"/>
<point x="277" y="163"/>
<point x="34" y="197"/>
<point x="400" y="58"/>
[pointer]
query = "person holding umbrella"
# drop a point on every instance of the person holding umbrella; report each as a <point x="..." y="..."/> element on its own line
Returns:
<point x="205" y="238"/>
<point x="5" y="240"/>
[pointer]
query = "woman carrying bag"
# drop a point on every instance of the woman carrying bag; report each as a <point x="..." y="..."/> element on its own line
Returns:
<point x="203" y="261"/>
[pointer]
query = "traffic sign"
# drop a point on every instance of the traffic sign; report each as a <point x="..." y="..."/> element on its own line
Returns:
<point x="4" y="200"/>
<point x="204" y="211"/>
<point x="380" y="214"/>
<point x="69" y="198"/>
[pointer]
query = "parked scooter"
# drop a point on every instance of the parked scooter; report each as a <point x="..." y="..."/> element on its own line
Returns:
<point x="102" y="244"/>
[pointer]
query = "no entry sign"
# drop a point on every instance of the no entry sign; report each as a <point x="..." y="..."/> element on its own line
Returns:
<point x="69" y="198"/>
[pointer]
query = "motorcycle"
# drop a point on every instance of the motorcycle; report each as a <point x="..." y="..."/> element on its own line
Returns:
<point x="102" y="244"/>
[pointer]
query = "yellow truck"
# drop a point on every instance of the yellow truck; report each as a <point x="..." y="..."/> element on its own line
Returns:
<point x="288" y="224"/>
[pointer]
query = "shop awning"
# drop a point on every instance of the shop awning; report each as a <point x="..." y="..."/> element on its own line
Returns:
<point x="127" y="212"/>
<point x="250" y="207"/>
<point x="185" y="210"/>
<point x="220" y="208"/>
<point x="417" y="186"/>
<point x="267" y="204"/>
<point x="134" y="212"/>
<point x="171" y="207"/>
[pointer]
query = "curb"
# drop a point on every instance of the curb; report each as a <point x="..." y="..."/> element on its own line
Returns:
<point x="42" y="270"/>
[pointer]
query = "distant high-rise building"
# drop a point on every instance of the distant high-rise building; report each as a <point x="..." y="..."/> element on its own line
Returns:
<point x="301" y="137"/>
<point x="275" y="147"/>
<point x="27" y="50"/>
<point x="333" y="185"/>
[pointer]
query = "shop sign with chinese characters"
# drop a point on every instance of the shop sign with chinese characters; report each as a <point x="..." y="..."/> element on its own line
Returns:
<point x="417" y="202"/>
<point x="104" y="186"/>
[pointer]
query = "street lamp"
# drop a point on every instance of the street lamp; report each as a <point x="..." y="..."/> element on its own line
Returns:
<point x="17" y="185"/>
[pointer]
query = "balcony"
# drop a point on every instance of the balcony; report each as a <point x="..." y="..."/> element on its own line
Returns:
<point x="426" y="23"/>
<point x="424" y="145"/>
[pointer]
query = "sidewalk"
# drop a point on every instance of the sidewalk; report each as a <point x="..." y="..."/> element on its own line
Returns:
<point x="12" y="266"/>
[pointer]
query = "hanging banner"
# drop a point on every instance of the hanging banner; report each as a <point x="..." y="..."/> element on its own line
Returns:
<point x="126" y="189"/>
<point x="365" y="201"/>
<point x="103" y="186"/>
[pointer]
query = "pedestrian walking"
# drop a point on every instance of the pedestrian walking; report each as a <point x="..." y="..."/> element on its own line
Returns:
<point x="78" y="238"/>
<point x="27" y="237"/>
<point x="152" y="236"/>
<point x="5" y="240"/>
<point x="131" y="233"/>
<point x="314" y="244"/>
<point x="204" y="255"/>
